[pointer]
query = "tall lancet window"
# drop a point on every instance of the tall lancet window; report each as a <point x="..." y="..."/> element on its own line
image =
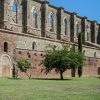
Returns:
<point x="35" y="17"/>
<point x="51" y="22"/>
<point x="65" y="26"/>
<point x="14" y="11"/>
<point x="34" y="14"/>
<point x="96" y="36"/>
<point x="88" y="33"/>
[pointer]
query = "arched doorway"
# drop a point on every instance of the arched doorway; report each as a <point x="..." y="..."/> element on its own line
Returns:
<point x="6" y="66"/>
<point x="98" y="70"/>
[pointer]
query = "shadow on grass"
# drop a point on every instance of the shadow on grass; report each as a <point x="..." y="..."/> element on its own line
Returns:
<point x="57" y="79"/>
<point x="98" y="77"/>
<point x="14" y="78"/>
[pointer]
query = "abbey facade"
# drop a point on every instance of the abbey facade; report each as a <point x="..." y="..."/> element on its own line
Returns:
<point x="28" y="26"/>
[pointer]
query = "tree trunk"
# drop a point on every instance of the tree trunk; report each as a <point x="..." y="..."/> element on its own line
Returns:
<point x="80" y="40"/>
<point x="29" y="76"/>
<point x="61" y="75"/>
<point x="80" y="71"/>
<point x="73" y="70"/>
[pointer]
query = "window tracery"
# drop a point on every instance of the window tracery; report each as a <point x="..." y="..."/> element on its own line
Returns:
<point x="35" y="17"/>
<point x="65" y="26"/>
<point x="51" y="21"/>
<point x="14" y="11"/>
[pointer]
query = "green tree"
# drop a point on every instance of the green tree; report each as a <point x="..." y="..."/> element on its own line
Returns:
<point x="24" y="65"/>
<point x="73" y="57"/>
<point x="61" y="59"/>
<point x="76" y="60"/>
<point x="80" y="68"/>
<point x="80" y="42"/>
<point x="57" y="60"/>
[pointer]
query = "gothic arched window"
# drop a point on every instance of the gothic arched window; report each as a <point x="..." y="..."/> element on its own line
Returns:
<point x="5" y="47"/>
<point x="65" y="26"/>
<point x="94" y="54"/>
<point x="88" y="32"/>
<point x="88" y="36"/>
<point x="77" y="27"/>
<point x="51" y="22"/>
<point x="14" y="11"/>
<point x="97" y="31"/>
<point x="14" y="6"/>
<point x="84" y="52"/>
<point x="34" y="14"/>
<point x="35" y="17"/>
<point x="34" y="45"/>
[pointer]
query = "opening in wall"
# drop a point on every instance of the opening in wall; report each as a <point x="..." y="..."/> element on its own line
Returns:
<point x="51" y="22"/>
<point x="84" y="52"/>
<point x="34" y="17"/>
<point x="88" y="36"/>
<point x="65" y="25"/>
<point x="34" y="46"/>
<point x="14" y="11"/>
<point x="5" y="47"/>
<point x="98" y="70"/>
<point x="14" y="6"/>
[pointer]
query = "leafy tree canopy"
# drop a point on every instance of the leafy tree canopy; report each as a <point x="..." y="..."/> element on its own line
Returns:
<point x="24" y="65"/>
<point x="61" y="59"/>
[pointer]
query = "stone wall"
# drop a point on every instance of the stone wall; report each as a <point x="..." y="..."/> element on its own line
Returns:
<point x="30" y="27"/>
<point x="6" y="58"/>
<point x="91" y="64"/>
<point x="20" y="46"/>
<point x="42" y="19"/>
<point x="11" y="20"/>
<point x="32" y="11"/>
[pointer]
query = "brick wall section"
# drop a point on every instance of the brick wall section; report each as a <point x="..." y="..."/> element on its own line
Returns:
<point x="21" y="47"/>
<point x="5" y="63"/>
<point x="90" y="65"/>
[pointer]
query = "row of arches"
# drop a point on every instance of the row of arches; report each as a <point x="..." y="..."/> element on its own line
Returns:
<point x="51" y="20"/>
<point x="51" y="17"/>
<point x="14" y="10"/>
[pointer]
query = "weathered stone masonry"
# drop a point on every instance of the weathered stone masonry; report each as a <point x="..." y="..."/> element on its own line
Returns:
<point x="28" y="26"/>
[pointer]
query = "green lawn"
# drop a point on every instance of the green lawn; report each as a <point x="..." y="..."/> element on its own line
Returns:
<point x="72" y="89"/>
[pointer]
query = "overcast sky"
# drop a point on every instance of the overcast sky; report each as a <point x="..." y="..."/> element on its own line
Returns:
<point x="89" y="8"/>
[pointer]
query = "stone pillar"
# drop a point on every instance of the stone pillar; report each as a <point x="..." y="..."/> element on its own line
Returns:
<point x="84" y="19"/>
<point x="98" y="37"/>
<point x="44" y="9"/>
<point x="59" y="22"/>
<point x="1" y="13"/>
<point x="72" y="25"/>
<point x="93" y="31"/>
<point x="24" y="15"/>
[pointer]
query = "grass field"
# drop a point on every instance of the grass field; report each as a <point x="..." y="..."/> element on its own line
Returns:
<point x="71" y="89"/>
